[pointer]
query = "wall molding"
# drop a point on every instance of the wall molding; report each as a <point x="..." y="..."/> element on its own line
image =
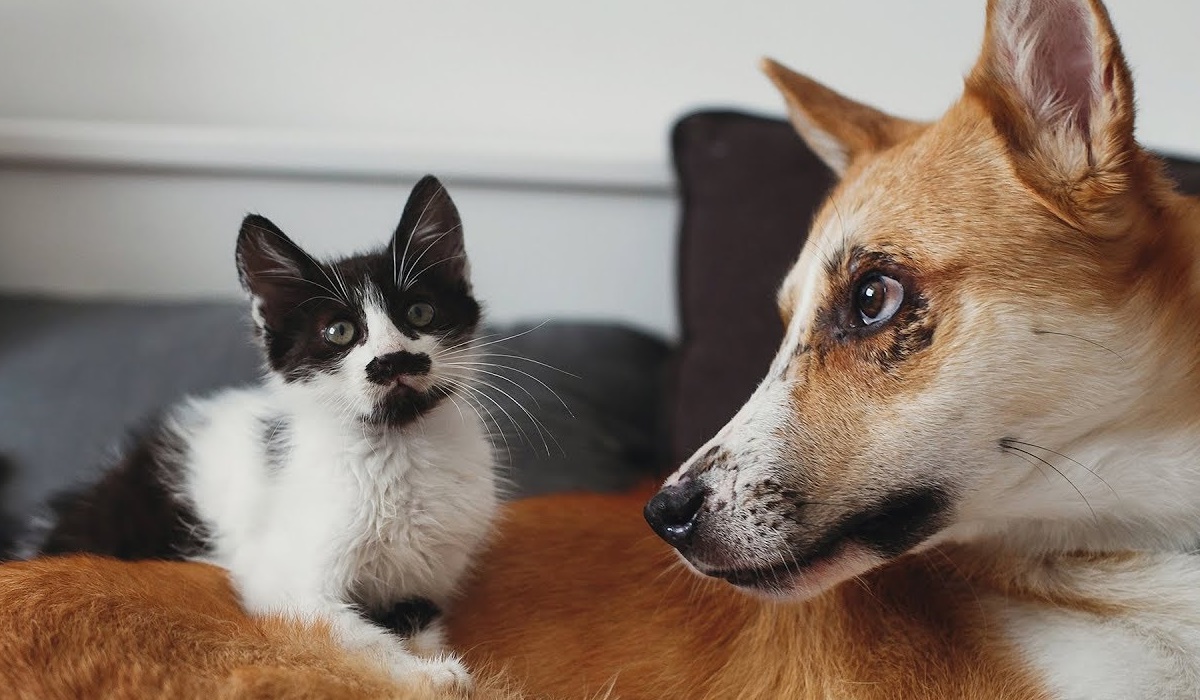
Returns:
<point x="250" y="151"/>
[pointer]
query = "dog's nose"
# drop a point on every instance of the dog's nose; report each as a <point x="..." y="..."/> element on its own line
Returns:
<point x="672" y="511"/>
<point x="388" y="368"/>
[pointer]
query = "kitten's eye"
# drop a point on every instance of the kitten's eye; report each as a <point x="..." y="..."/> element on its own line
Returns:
<point x="340" y="333"/>
<point x="877" y="299"/>
<point x="420" y="314"/>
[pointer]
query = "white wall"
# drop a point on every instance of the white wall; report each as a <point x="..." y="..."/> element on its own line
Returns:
<point x="164" y="121"/>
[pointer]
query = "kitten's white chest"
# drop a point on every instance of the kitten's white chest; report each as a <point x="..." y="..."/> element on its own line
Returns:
<point x="359" y="515"/>
<point x="423" y="497"/>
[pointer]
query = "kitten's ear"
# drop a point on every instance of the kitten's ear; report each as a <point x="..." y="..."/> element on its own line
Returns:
<point x="271" y="267"/>
<point x="429" y="239"/>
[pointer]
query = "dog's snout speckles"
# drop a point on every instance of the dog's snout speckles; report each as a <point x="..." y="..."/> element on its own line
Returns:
<point x="712" y="458"/>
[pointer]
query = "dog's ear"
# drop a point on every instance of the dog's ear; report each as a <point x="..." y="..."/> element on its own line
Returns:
<point x="835" y="127"/>
<point x="1054" y="80"/>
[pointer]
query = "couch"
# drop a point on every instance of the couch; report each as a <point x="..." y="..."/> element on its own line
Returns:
<point x="75" y="374"/>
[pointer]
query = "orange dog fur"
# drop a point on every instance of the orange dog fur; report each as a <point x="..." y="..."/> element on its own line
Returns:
<point x="81" y="626"/>
<point x="578" y="596"/>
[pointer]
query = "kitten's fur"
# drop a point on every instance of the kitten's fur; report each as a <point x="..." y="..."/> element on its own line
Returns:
<point x="349" y="480"/>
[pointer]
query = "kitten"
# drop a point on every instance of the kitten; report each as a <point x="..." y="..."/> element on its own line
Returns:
<point x="349" y="483"/>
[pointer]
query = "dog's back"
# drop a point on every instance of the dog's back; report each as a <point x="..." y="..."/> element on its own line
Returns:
<point x="575" y="596"/>
<point x="82" y="626"/>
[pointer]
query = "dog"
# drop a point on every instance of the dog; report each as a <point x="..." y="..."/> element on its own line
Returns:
<point x="84" y="626"/>
<point x="973" y="468"/>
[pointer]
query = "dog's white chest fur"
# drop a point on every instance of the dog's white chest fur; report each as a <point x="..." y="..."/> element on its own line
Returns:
<point x="1142" y="642"/>
<point x="303" y="505"/>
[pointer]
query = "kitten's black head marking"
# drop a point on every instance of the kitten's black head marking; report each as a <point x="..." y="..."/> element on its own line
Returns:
<point x="386" y="369"/>
<point x="429" y="238"/>
<point x="296" y="297"/>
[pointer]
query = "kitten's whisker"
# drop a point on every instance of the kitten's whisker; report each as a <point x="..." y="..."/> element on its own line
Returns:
<point x="528" y="359"/>
<point x="489" y="424"/>
<point x="439" y="352"/>
<point x="317" y="298"/>
<point x="405" y="283"/>
<point x="413" y="232"/>
<point x="305" y="280"/>
<point x="493" y="342"/>
<point x="316" y="263"/>
<point x="430" y="266"/>
<point x="514" y="369"/>
<point x="525" y="436"/>
<point x="499" y="376"/>
<point x="543" y="431"/>
<point x="395" y="265"/>
<point x="521" y="432"/>
<point x="461" y="415"/>
<point x="341" y="282"/>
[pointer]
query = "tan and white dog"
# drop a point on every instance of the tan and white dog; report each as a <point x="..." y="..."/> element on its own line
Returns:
<point x="973" y="469"/>
<point x="993" y="338"/>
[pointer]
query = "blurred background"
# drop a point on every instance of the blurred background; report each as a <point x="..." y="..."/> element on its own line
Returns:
<point x="134" y="134"/>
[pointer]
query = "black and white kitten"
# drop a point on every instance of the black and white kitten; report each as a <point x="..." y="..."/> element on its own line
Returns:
<point x="349" y="480"/>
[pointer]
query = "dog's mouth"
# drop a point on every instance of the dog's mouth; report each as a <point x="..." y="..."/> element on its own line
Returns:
<point x="766" y="577"/>
<point x="856" y="545"/>
<point x="795" y="579"/>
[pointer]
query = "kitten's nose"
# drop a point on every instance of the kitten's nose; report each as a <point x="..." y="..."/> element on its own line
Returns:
<point x="386" y="369"/>
<point x="672" y="511"/>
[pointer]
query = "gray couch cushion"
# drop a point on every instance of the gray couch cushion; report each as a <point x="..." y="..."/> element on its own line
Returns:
<point x="75" y="376"/>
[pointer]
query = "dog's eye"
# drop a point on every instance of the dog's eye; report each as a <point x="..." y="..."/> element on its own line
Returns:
<point x="340" y="333"/>
<point x="420" y="314"/>
<point x="877" y="299"/>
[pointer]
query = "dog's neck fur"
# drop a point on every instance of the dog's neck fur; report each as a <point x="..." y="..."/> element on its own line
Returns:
<point x="1136" y="464"/>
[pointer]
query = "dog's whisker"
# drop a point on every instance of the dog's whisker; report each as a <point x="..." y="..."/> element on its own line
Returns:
<point x="1089" y="341"/>
<point x="1056" y="471"/>
<point x="1069" y="459"/>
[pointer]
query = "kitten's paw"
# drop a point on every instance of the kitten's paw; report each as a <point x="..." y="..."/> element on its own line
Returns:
<point x="430" y="642"/>
<point x="445" y="673"/>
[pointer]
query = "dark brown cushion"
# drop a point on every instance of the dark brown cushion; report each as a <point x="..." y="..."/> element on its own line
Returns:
<point x="749" y="189"/>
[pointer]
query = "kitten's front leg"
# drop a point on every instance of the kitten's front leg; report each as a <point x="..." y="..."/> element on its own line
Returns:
<point x="355" y="633"/>
<point x="419" y="622"/>
<point x="396" y="654"/>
